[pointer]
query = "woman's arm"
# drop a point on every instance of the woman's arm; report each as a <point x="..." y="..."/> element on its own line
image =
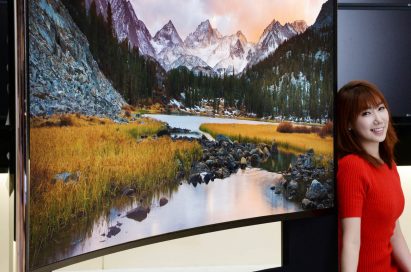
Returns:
<point x="351" y="241"/>
<point x="400" y="250"/>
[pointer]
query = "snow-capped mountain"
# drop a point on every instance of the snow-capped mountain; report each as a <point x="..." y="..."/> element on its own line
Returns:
<point x="188" y="61"/>
<point x="203" y="36"/>
<point x="237" y="50"/>
<point x="274" y="35"/>
<point x="168" y="45"/>
<point x="166" y="37"/>
<point x="204" y="47"/>
<point x="226" y="51"/>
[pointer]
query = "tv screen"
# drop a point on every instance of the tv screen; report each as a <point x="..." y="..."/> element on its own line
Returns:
<point x="151" y="118"/>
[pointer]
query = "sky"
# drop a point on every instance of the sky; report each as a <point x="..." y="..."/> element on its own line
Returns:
<point x="228" y="16"/>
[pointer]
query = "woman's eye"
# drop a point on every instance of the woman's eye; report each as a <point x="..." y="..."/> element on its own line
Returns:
<point x="381" y="108"/>
<point x="365" y="113"/>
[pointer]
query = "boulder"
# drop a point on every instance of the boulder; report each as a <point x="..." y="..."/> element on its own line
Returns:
<point x="221" y="138"/>
<point x="66" y="177"/>
<point x="163" y="132"/>
<point x="207" y="177"/>
<point x="308" y="204"/>
<point x="195" y="178"/>
<point x="221" y="152"/>
<point x="232" y="166"/>
<point x="255" y="160"/>
<point x="138" y="214"/>
<point x="219" y="173"/>
<point x="292" y="190"/>
<point x="200" y="167"/>
<point x="243" y="163"/>
<point x="316" y="191"/>
<point x="210" y="163"/>
<point x="254" y="151"/>
<point x="113" y="231"/>
<point x="163" y="201"/>
<point x="128" y="191"/>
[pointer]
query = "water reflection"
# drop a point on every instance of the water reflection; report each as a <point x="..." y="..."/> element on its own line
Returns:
<point x="278" y="162"/>
<point x="245" y="194"/>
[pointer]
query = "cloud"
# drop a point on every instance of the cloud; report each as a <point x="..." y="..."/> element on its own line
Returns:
<point x="228" y="16"/>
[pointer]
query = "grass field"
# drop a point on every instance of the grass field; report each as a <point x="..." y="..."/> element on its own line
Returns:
<point x="105" y="157"/>
<point x="295" y="142"/>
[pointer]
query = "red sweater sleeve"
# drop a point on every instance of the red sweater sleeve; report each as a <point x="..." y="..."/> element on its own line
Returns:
<point x="352" y="186"/>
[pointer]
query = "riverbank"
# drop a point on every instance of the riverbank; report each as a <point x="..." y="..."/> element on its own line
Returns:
<point x="78" y="164"/>
<point x="308" y="182"/>
<point x="296" y="142"/>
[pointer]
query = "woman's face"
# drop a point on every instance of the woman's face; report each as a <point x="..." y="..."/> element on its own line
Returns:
<point x="372" y="124"/>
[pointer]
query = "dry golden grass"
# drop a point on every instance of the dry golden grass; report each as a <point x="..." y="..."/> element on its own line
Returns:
<point x="297" y="142"/>
<point x="61" y="120"/>
<point x="107" y="157"/>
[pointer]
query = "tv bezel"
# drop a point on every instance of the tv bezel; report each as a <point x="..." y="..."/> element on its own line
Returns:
<point x="23" y="167"/>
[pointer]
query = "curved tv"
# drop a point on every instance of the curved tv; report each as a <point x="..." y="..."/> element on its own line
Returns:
<point x="150" y="120"/>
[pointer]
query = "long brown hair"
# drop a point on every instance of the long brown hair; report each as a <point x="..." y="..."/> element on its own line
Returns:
<point x="353" y="98"/>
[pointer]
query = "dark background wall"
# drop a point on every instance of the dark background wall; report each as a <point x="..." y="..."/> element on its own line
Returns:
<point x="4" y="59"/>
<point x="6" y="85"/>
<point x="374" y="43"/>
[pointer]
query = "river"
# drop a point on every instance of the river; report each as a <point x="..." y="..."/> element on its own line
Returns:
<point x="245" y="194"/>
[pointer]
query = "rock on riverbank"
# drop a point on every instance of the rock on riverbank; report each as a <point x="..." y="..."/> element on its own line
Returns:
<point x="309" y="184"/>
<point x="223" y="157"/>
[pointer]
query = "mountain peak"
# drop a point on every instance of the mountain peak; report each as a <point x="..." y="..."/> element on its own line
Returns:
<point x="274" y="22"/>
<point x="241" y="37"/>
<point x="237" y="50"/>
<point x="325" y="17"/>
<point x="169" y="24"/>
<point x="206" y="23"/>
<point x="168" y="36"/>
<point x="203" y="35"/>
<point x="274" y="26"/>
<point x="299" y="26"/>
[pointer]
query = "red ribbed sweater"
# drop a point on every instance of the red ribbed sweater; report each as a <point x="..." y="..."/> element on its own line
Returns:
<point x="375" y="195"/>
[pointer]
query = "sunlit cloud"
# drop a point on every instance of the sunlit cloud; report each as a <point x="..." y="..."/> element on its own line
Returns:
<point x="228" y="16"/>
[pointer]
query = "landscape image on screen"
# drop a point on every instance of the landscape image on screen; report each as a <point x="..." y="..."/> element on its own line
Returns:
<point x="150" y="117"/>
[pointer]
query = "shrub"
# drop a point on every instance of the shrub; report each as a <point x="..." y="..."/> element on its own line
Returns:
<point x="66" y="120"/>
<point x="326" y="130"/>
<point x="285" y="127"/>
<point x="128" y="107"/>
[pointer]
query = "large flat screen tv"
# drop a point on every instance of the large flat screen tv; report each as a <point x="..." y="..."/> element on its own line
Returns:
<point x="150" y="120"/>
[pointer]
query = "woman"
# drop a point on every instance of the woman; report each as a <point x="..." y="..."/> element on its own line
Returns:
<point x="370" y="198"/>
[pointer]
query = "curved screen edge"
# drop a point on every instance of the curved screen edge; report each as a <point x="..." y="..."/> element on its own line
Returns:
<point x="185" y="233"/>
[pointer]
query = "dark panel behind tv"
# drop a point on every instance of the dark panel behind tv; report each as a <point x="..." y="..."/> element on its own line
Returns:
<point x="374" y="44"/>
<point x="4" y="97"/>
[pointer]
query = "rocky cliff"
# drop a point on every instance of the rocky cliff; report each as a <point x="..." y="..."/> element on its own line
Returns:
<point x="63" y="76"/>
